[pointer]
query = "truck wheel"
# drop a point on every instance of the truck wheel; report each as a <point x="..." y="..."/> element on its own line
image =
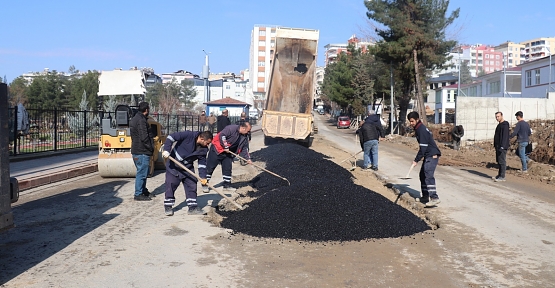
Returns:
<point x="269" y="140"/>
<point x="307" y="142"/>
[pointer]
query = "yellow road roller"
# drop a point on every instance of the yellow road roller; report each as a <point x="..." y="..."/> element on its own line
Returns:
<point x="114" y="155"/>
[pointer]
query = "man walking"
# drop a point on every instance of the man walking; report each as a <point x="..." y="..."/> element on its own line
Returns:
<point x="223" y="120"/>
<point x="188" y="146"/>
<point x="202" y="121"/>
<point x="501" y="144"/>
<point x="233" y="138"/>
<point x="211" y="122"/>
<point x="430" y="153"/>
<point x="142" y="147"/>
<point x="370" y="132"/>
<point x="522" y="132"/>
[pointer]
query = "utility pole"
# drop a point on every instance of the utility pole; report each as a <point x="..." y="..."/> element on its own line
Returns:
<point x="392" y="112"/>
<point x="458" y="88"/>
<point x="205" y="74"/>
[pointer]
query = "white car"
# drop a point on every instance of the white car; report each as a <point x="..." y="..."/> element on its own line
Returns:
<point x="253" y="115"/>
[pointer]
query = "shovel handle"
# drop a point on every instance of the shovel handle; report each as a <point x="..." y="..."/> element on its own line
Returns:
<point x="234" y="154"/>
<point x="410" y="170"/>
<point x="198" y="177"/>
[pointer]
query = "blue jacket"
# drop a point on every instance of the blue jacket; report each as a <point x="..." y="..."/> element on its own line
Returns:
<point x="428" y="147"/>
<point x="186" y="151"/>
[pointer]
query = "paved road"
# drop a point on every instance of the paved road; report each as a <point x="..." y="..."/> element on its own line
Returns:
<point x="508" y="227"/>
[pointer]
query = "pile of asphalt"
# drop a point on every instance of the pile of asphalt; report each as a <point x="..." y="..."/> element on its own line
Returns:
<point x="322" y="203"/>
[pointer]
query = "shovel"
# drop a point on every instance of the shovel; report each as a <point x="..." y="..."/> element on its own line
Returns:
<point x="408" y="174"/>
<point x="260" y="167"/>
<point x="211" y="187"/>
<point x="353" y="167"/>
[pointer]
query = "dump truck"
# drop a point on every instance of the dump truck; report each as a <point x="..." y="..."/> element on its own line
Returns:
<point x="290" y="94"/>
<point x="114" y="155"/>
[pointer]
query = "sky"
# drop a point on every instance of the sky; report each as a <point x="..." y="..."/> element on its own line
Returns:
<point x="171" y="35"/>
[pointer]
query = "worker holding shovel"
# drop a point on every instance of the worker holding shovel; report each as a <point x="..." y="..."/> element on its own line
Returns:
<point x="233" y="138"/>
<point x="430" y="153"/>
<point x="188" y="146"/>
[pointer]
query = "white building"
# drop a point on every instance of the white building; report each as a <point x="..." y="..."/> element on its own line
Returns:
<point x="261" y="54"/>
<point x="537" y="48"/>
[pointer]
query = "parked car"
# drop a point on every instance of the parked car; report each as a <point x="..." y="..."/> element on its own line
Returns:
<point x="321" y="111"/>
<point x="343" y="122"/>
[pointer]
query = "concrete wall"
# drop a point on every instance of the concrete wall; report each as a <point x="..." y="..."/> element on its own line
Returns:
<point x="477" y="114"/>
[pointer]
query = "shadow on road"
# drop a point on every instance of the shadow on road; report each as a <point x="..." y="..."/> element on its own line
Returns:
<point x="45" y="226"/>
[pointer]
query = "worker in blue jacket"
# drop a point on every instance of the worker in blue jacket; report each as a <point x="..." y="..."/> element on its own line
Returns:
<point x="185" y="147"/>
<point x="430" y="154"/>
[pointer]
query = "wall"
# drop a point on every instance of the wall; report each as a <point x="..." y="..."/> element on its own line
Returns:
<point x="6" y="215"/>
<point x="477" y="114"/>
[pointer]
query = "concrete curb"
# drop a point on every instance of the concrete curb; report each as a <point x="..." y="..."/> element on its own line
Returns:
<point x="34" y="182"/>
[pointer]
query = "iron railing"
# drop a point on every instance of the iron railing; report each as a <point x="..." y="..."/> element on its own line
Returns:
<point x="60" y="129"/>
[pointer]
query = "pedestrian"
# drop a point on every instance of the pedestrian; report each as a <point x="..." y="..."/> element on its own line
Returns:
<point x="522" y="132"/>
<point x="233" y="138"/>
<point x="211" y="122"/>
<point x="430" y="154"/>
<point x="457" y="133"/>
<point x="202" y="121"/>
<point x="142" y="148"/>
<point x="501" y="144"/>
<point x="223" y="120"/>
<point x="188" y="147"/>
<point x="370" y="132"/>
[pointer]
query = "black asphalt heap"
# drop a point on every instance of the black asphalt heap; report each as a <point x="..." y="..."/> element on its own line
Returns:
<point x="322" y="203"/>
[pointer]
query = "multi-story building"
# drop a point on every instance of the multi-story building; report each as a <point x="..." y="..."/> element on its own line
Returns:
<point x="512" y="52"/>
<point x="537" y="48"/>
<point x="261" y="54"/>
<point x="334" y="50"/>
<point x="178" y="76"/>
<point x="482" y="58"/>
<point x="320" y="72"/>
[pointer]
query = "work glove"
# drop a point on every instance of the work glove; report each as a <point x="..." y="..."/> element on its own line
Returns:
<point x="165" y="154"/>
<point x="203" y="182"/>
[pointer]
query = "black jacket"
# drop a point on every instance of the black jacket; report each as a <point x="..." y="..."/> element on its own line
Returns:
<point x="501" y="137"/>
<point x="428" y="147"/>
<point x="371" y="130"/>
<point x="223" y="121"/>
<point x="141" y="140"/>
<point x="458" y="132"/>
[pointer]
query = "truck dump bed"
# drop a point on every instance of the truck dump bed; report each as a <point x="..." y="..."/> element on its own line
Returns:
<point x="290" y="94"/>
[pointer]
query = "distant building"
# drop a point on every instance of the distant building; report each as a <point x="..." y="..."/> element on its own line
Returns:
<point x="482" y="58"/>
<point x="178" y="76"/>
<point x="334" y="50"/>
<point x="513" y="53"/>
<point x="261" y="53"/>
<point x="535" y="78"/>
<point x="537" y="48"/>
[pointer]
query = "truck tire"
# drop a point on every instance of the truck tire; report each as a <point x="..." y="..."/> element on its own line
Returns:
<point x="269" y="140"/>
<point x="307" y="142"/>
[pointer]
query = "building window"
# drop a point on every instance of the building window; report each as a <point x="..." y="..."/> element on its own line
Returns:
<point x="272" y="43"/>
<point x="496" y="56"/>
<point x="528" y="78"/>
<point x="262" y="53"/>
<point x="496" y="63"/>
<point x="227" y="87"/>
<point x="260" y="84"/>
<point x="261" y="43"/>
<point x="537" y="76"/>
<point x="261" y="64"/>
<point x="262" y="33"/>
<point x="552" y="73"/>
<point x="494" y="87"/>
<point x="260" y="73"/>
<point x="487" y="56"/>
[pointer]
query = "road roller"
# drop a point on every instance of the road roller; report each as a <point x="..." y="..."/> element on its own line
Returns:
<point x="114" y="155"/>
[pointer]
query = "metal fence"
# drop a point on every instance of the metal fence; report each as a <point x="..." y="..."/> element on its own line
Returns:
<point x="59" y="129"/>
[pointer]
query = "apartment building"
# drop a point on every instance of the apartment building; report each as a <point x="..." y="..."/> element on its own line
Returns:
<point x="334" y="50"/>
<point x="261" y="54"/>
<point x="513" y="53"/>
<point x="178" y="76"/>
<point x="537" y="48"/>
<point x="482" y="58"/>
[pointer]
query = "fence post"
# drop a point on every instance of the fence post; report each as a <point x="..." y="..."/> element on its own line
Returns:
<point x="15" y="138"/>
<point x="85" y="129"/>
<point x="55" y="129"/>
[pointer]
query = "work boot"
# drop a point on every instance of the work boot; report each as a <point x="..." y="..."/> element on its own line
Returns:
<point x="375" y="168"/>
<point x="168" y="210"/>
<point x="142" y="197"/>
<point x="195" y="210"/>
<point x="424" y="200"/>
<point x="433" y="202"/>
<point x="148" y="194"/>
<point x="228" y="188"/>
<point x="499" y="179"/>
<point x="205" y="189"/>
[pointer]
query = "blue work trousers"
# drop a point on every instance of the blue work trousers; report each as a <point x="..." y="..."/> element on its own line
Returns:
<point x="427" y="179"/>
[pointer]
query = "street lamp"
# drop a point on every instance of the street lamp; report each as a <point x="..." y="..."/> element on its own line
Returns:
<point x="205" y="74"/>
